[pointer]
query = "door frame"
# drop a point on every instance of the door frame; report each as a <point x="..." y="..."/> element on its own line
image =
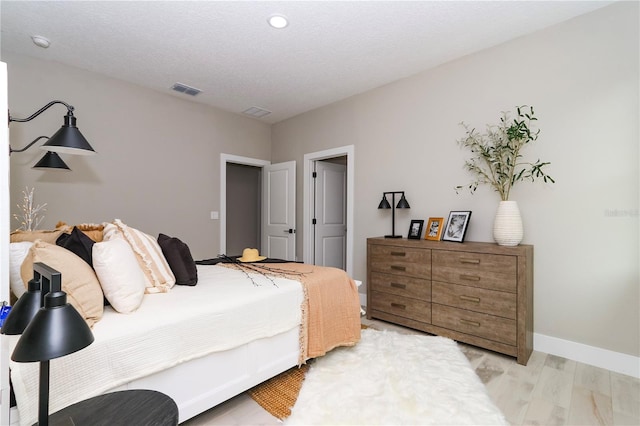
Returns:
<point x="307" y="203"/>
<point x="236" y="159"/>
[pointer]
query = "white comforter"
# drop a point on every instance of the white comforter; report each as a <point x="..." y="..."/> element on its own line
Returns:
<point x="224" y="310"/>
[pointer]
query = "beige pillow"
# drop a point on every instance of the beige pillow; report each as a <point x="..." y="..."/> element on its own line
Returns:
<point x="47" y="236"/>
<point x="121" y="278"/>
<point x="150" y="258"/>
<point x="78" y="279"/>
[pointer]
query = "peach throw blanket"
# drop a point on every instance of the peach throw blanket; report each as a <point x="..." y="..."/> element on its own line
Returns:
<point x="330" y="309"/>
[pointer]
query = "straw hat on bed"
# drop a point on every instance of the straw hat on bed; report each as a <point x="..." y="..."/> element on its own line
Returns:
<point x="251" y="255"/>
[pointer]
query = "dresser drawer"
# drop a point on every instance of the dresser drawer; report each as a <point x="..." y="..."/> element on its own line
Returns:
<point x="415" y="288"/>
<point x="414" y="309"/>
<point x="498" y="303"/>
<point x="475" y="323"/>
<point x="492" y="271"/>
<point x="401" y="260"/>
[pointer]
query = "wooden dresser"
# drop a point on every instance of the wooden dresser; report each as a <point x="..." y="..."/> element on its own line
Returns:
<point x="477" y="293"/>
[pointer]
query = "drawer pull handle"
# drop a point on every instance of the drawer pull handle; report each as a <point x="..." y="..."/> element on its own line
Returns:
<point x="469" y="298"/>
<point x="398" y="305"/>
<point x="469" y="277"/>
<point x="396" y="285"/>
<point x="467" y="322"/>
<point x="398" y="253"/>
<point x="399" y="268"/>
<point x="471" y="261"/>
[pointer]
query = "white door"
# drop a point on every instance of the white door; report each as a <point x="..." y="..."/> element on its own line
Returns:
<point x="330" y="214"/>
<point x="279" y="211"/>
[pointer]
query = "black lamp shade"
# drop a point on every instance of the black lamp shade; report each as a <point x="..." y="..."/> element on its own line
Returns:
<point x="56" y="330"/>
<point x="24" y="310"/>
<point x="51" y="160"/>
<point x="69" y="140"/>
<point x="403" y="203"/>
<point x="384" y="204"/>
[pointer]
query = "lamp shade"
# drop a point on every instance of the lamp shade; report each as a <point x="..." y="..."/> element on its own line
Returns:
<point x="384" y="204"/>
<point x="24" y="310"/>
<point x="403" y="203"/>
<point x="56" y="330"/>
<point x="69" y="140"/>
<point x="51" y="160"/>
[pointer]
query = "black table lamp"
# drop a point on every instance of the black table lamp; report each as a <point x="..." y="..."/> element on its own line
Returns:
<point x="402" y="204"/>
<point x="56" y="330"/>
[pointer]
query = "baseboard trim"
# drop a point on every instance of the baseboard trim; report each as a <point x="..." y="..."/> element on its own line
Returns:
<point x="603" y="358"/>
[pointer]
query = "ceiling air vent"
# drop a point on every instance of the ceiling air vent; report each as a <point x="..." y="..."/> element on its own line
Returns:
<point x="256" y="112"/>
<point x="187" y="90"/>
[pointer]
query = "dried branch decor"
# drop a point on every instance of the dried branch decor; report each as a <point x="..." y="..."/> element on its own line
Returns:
<point x="30" y="219"/>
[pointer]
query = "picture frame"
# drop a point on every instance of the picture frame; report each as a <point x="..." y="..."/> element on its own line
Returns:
<point x="434" y="228"/>
<point x="456" y="227"/>
<point x="415" y="229"/>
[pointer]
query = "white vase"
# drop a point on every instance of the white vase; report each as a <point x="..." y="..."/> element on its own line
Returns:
<point x="507" y="226"/>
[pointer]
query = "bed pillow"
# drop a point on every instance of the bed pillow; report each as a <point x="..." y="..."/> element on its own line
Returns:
<point x="17" y="253"/>
<point x="78" y="243"/>
<point x="150" y="258"/>
<point x="120" y="276"/>
<point x="78" y="279"/>
<point x="91" y="230"/>
<point x="49" y="236"/>
<point x="179" y="259"/>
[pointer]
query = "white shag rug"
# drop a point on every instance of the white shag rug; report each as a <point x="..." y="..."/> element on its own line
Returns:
<point x="394" y="379"/>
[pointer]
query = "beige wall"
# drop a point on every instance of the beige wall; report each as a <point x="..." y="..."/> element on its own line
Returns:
<point x="158" y="167"/>
<point x="582" y="77"/>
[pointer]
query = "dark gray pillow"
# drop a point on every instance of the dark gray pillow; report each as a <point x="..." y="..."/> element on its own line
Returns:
<point x="179" y="259"/>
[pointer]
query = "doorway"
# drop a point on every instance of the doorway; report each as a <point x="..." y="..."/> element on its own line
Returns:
<point x="244" y="201"/>
<point x="343" y="155"/>
<point x="329" y="212"/>
<point x="262" y="218"/>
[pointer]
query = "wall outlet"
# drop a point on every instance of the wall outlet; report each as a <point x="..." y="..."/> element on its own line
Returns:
<point x="215" y="215"/>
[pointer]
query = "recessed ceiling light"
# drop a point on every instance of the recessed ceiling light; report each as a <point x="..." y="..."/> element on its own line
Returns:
<point x="278" y="21"/>
<point x="40" y="41"/>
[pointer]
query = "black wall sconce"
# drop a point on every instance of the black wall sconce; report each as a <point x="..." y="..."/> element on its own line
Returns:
<point x="67" y="140"/>
<point x="402" y="204"/>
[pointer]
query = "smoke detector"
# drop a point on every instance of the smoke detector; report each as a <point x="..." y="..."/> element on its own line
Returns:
<point x="40" y="41"/>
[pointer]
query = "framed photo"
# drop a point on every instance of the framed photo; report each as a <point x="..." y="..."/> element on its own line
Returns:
<point x="415" y="229"/>
<point x="456" y="226"/>
<point x="434" y="229"/>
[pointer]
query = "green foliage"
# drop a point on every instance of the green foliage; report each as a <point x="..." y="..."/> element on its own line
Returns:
<point x="496" y="158"/>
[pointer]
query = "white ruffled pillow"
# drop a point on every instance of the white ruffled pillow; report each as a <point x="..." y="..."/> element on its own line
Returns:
<point x="17" y="253"/>
<point x="159" y="276"/>
<point x="123" y="282"/>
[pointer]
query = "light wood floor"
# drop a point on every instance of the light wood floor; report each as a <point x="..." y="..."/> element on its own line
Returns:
<point x="549" y="390"/>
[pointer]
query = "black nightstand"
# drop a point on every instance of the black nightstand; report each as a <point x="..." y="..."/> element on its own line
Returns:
<point x="126" y="408"/>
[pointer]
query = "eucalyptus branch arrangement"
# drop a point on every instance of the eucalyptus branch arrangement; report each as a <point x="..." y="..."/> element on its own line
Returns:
<point x="496" y="158"/>
<point x="30" y="219"/>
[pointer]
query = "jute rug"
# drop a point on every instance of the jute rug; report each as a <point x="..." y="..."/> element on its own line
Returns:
<point x="278" y="394"/>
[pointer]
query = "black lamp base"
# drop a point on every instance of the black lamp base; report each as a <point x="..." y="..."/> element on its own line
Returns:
<point x="393" y="236"/>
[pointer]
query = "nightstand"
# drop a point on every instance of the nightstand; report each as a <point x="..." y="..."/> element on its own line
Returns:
<point x="130" y="407"/>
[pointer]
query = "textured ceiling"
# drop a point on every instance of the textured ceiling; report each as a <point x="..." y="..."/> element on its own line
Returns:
<point x="330" y="50"/>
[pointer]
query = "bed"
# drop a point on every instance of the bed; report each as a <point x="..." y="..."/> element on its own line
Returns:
<point x="203" y="344"/>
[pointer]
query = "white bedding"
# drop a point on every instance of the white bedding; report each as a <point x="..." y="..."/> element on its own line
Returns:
<point x="224" y="310"/>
